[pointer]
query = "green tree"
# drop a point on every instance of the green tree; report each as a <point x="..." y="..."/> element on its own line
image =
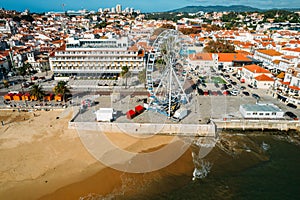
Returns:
<point x="6" y="84"/>
<point x="219" y="46"/>
<point x="168" y="26"/>
<point x="125" y="73"/>
<point x="61" y="89"/>
<point x="25" y="70"/>
<point x="37" y="91"/>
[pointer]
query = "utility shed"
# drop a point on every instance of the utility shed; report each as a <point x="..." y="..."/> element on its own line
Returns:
<point x="130" y="114"/>
<point x="105" y="115"/>
<point x="139" y="109"/>
<point x="261" y="111"/>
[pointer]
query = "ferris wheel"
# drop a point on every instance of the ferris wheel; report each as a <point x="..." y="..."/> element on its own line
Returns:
<point x="165" y="72"/>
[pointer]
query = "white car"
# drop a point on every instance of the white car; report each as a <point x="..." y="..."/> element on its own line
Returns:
<point x="234" y="92"/>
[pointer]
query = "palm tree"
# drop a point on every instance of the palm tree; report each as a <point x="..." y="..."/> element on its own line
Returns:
<point x="37" y="91"/>
<point x="61" y="89"/>
<point x="125" y="73"/>
<point x="25" y="70"/>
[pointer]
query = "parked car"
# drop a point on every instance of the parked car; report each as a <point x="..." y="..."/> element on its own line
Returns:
<point x="242" y="87"/>
<point x="291" y="115"/>
<point x="34" y="78"/>
<point x="10" y="74"/>
<point x="215" y="93"/>
<point x="250" y="86"/>
<point x="234" y="92"/>
<point x="291" y="105"/>
<point x="226" y="93"/>
<point x="256" y="96"/>
<point x="246" y="93"/>
<point x="200" y="91"/>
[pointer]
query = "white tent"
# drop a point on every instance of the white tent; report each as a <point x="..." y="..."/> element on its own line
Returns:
<point x="105" y="114"/>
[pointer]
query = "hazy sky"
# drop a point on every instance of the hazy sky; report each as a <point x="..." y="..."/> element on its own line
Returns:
<point x="143" y="5"/>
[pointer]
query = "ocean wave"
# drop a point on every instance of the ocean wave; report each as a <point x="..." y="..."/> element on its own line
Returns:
<point x="265" y="146"/>
<point x="202" y="167"/>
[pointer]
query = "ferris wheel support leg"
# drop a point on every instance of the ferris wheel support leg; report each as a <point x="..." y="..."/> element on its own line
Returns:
<point x="170" y="90"/>
<point x="180" y="86"/>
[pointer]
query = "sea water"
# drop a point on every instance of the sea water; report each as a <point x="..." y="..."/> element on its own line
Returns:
<point x="276" y="178"/>
<point x="243" y="167"/>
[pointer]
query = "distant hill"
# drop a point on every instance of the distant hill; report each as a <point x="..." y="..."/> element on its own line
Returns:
<point x="233" y="8"/>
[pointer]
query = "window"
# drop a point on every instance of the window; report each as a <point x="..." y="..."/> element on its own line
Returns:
<point x="273" y="113"/>
<point x="267" y="113"/>
<point x="261" y="113"/>
<point x="255" y="113"/>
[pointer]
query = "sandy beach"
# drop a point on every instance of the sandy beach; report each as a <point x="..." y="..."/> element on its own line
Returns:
<point x="41" y="158"/>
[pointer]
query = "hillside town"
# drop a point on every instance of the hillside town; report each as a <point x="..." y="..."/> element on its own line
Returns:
<point x="149" y="99"/>
<point x="264" y="52"/>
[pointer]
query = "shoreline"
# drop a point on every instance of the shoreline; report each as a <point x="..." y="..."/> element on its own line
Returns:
<point x="40" y="154"/>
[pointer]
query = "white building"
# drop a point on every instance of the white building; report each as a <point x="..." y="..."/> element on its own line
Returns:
<point x="200" y="60"/>
<point x="257" y="76"/>
<point x="105" y="115"/>
<point x="267" y="55"/>
<point x="4" y="26"/>
<point x="95" y="57"/>
<point x="118" y="8"/>
<point x="261" y="111"/>
<point x="263" y="82"/>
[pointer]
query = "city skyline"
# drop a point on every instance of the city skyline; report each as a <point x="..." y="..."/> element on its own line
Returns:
<point x="144" y="6"/>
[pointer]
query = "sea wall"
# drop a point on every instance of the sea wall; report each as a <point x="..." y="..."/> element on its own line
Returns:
<point x="199" y="130"/>
<point x="251" y="124"/>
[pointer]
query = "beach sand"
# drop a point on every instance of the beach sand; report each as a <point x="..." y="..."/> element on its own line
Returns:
<point x="41" y="158"/>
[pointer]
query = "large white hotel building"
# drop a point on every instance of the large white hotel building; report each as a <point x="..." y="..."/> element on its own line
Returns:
<point x="96" y="57"/>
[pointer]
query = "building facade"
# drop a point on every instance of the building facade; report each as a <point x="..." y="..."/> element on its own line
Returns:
<point x="257" y="76"/>
<point x="261" y="111"/>
<point x="96" y="57"/>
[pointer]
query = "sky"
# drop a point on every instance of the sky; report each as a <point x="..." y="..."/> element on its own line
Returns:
<point x="143" y="5"/>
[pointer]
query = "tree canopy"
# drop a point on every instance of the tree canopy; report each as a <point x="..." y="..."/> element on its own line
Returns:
<point x="37" y="91"/>
<point x="219" y="46"/>
<point x="61" y="89"/>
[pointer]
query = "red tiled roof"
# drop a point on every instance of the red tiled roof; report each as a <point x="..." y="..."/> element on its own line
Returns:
<point x="264" y="77"/>
<point x="285" y="83"/>
<point x="229" y="57"/>
<point x="289" y="57"/>
<point x="270" y="52"/>
<point x="201" y="56"/>
<point x="294" y="87"/>
<point x="256" y="69"/>
<point x="291" y="49"/>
